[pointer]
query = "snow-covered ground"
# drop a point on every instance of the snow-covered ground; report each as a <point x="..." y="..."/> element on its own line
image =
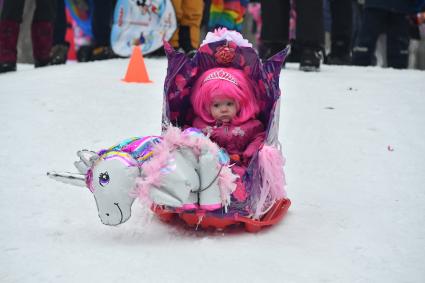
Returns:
<point x="354" y="142"/>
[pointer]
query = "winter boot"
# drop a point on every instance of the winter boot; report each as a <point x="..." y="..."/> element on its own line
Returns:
<point x="84" y="53"/>
<point x="9" y="31"/>
<point x="42" y="39"/>
<point x="340" y="53"/>
<point x="310" y="59"/>
<point x="59" y="54"/>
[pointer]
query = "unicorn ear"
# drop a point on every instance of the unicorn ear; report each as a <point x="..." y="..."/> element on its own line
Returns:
<point x="81" y="167"/>
<point x="87" y="157"/>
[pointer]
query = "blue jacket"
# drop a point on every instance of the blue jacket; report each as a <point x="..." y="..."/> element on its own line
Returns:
<point x="398" y="6"/>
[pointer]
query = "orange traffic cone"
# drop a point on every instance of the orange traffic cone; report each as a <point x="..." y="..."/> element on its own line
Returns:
<point x="136" y="71"/>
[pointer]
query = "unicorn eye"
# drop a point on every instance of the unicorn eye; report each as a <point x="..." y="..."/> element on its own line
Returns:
<point x="103" y="179"/>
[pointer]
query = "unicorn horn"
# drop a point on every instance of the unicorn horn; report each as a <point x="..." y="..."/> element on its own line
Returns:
<point x="75" y="179"/>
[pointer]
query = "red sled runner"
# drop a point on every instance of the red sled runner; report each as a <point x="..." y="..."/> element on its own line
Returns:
<point x="207" y="221"/>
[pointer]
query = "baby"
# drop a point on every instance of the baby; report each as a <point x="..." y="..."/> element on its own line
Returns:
<point x="225" y="107"/>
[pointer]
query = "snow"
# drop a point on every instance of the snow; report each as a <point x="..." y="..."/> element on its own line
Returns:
<point x="354" y="142"/>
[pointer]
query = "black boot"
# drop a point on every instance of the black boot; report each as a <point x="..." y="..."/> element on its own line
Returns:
<point x="340" y="53"/>
<point x="7" y="67"/>
<point x="310" y="59"/>
<point x="84" y="53"/>
<point x="59" y="54"/>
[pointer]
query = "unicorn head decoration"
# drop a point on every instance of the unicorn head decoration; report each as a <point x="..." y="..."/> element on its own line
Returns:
<point x="181" y="170"/>
<point x="111" y="175"/>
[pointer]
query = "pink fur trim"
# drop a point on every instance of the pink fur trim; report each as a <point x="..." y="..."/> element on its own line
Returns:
<point x="271" y="164"/>
<point x="226" y="182"/>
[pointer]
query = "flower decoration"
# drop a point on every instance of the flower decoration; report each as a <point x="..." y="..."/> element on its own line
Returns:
<point x="224" y="54"/>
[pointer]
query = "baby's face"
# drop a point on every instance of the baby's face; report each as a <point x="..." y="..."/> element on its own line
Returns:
<point x="223" y="109"/>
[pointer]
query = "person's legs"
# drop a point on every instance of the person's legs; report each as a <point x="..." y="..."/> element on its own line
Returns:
<point x="12" y="10"/>
<point x="190" y="25"/>
<point x="10" y="19"/>
<point x="101" y="22"/>
<point x="310" y="33"/>
<point x="372" y="25"/>
<point x="59" y="30"/>
<point x="42" y="31"/>
<point x="341" y="32"/>
<point x="357" y="20"/>
<point x="275" y="26"/>
<point x="174" y="41"/>
<point x="397" y="41"/>
<point x="59" y="52"/>
<point x="101" y="26"/>
<point x="310" y="22"/>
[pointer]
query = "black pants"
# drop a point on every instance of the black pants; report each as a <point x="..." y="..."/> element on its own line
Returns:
<point x="102" y="20"/>
<point x="275" y="16"/>
<point x="396" y="27"/>
<point x="13" y="10"/>
<point x="60" y="24"/>
<point x="342" y="25"/>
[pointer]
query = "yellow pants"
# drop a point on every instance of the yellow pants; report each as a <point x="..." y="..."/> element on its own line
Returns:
<point x="188" y="13"/>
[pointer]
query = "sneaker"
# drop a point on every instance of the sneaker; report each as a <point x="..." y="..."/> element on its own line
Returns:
<point x="7" y="67"/>
<point x="310" y="60"/>
<point x="59" y="54"/>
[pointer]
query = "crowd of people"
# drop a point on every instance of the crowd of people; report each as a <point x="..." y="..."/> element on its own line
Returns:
<point x="354" y="27"/>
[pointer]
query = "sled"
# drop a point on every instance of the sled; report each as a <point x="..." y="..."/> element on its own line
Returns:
<point x="181" y="74"/>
